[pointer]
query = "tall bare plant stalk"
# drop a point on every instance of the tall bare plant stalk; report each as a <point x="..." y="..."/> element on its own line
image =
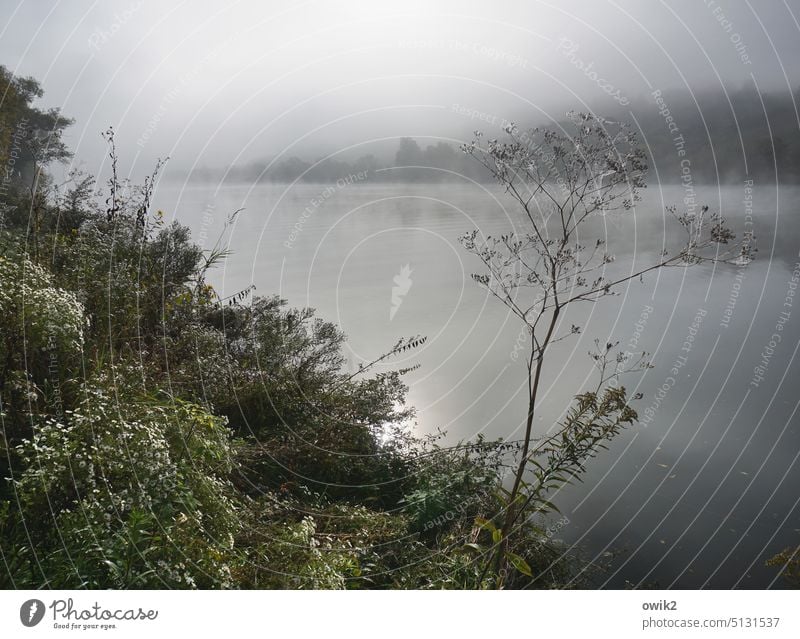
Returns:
<point x="560" y="179"/>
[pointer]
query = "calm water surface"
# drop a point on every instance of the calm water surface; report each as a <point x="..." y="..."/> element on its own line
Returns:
<point x="702" y="491"/>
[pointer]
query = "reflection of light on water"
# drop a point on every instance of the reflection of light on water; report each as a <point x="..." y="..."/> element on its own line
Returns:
<point x="463" y="391"/>
<point x="389" y="433"/>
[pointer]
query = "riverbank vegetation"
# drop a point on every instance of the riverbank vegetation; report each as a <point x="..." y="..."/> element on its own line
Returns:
<point x="154" y="435"/>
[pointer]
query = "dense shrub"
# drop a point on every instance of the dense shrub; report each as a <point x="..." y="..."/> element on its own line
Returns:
<point x="154" y="435"/>
<point x="120" y="460"/>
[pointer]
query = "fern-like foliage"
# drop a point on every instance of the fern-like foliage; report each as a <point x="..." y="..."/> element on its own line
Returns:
<point x="591" y="423"/>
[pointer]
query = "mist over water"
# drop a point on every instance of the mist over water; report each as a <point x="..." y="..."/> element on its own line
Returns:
<point x="327" y="146"/>
<point x="698" y="492"/>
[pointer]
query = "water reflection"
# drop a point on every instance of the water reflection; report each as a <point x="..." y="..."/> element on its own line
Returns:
<point x="699" y="493"/>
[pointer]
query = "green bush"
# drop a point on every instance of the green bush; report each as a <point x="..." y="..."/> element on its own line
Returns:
<point x="154" y="435"/>
<point x="132" y="474"/>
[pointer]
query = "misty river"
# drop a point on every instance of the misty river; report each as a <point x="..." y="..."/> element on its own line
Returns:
<point x="702" y="490"/>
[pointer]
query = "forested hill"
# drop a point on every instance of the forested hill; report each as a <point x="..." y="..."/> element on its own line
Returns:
<point x="707" y="137"/>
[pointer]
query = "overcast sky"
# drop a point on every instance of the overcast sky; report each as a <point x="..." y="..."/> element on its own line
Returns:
<point x="214" y="83"/>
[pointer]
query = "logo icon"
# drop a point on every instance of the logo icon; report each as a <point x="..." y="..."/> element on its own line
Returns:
<point x="31" y="612"/>
<point x="402" y="285"/>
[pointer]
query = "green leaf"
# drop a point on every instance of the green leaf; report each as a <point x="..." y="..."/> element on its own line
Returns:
<point x="486" y="524"/>
<point x="550" y="506"/>
<point x="520" y="564"/>
<point x="497" y="535"/>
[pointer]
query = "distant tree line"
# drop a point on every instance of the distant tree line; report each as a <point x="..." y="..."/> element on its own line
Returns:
<point x="711" y="137"/>
<point x="440" y="162"/>
<point x="728" y="138"/>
